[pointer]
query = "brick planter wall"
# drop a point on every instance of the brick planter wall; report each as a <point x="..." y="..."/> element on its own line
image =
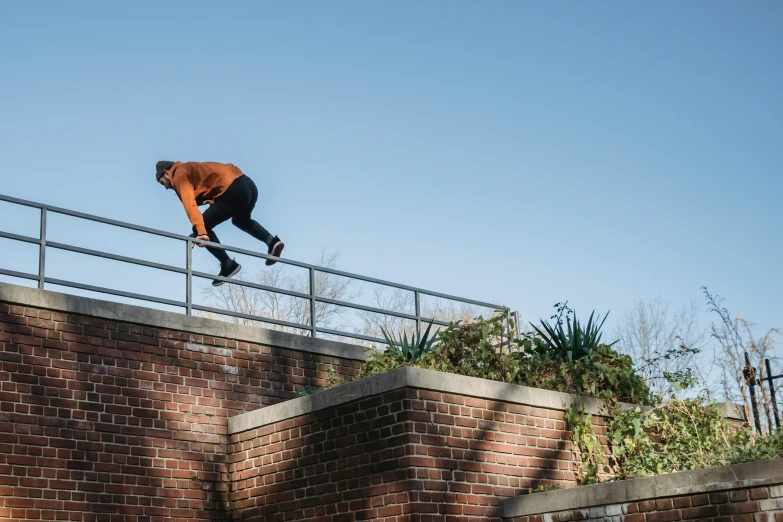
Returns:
<point x="751" y="492"/>
<point x="111" y="420"/>
<point x="410" y="444"/>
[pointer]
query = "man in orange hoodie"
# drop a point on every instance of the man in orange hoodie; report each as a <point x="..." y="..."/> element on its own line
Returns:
<point x="230" y="195"/>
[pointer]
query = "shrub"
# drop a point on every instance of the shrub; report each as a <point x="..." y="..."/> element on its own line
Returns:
<point x="676" y="435"/>
<point x="485" y="348"/>
<point x="604" y="373"/>
<point x="476" y="349"/>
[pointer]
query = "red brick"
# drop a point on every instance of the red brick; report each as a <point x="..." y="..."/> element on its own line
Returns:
<point x="700" y="513"/>
<point x="682" y="502"/>
<point x="719" y="498"/>
<point x="663" y="516"/>
<point x="739" y="508"/>
<point x="647" y="505"/>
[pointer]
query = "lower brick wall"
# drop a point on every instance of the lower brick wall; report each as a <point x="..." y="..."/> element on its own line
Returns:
<point x="405" y="455"/>
<point x="110" y="421"/>
<point x="760" y="504"/>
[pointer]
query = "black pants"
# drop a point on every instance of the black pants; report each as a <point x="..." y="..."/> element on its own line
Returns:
<point x="236" y="203"/>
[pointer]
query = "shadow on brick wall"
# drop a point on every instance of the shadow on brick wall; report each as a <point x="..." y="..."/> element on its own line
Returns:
<point x="100" y="419"/>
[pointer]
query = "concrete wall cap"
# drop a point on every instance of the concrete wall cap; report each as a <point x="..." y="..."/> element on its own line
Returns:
<point x="408" y="377"/>
<point x="66" y="303"/>
<point x="748" y="474"/>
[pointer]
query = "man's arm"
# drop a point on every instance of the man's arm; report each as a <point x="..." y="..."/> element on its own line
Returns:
<point x="187" y="195"/>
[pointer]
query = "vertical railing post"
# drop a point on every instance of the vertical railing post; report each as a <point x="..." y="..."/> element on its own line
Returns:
<point x="750" y="378"/>
<point x="312" y="303"/>
<point x="417" y="300"/>
<point x="772" y="393"/>
<point x="42" y="252"/>
<point x="189" y="277"/>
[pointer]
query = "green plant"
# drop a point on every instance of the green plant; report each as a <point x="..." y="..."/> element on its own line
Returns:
<point x="591" y="451"/>
<point x="332" y="380"/>
<point x="749" y="448"/>
<point x="410" y="350"/>
<point x="676" y="435"/>
<point x="542" y="489"/>
<point x="604" y="373"/>
<point x="486" y="349"/>
<point x="307" y="390"/>
<point x="480" y="348"/>
<point x="559" y="343"/>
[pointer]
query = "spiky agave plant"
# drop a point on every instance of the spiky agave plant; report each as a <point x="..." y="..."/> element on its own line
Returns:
<point x="575" y="343"/>
<point x="411" y="349"/>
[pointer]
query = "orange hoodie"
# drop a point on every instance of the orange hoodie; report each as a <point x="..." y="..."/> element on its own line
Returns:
<point x="200" y="183"/>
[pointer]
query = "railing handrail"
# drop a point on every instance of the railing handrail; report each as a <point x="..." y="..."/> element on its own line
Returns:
<point x="189" y="273"/>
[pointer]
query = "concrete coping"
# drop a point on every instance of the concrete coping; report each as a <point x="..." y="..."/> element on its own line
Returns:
<point x="749" y="474"/>
<point x="408" y="377"/>
<point x="152" y="317"/>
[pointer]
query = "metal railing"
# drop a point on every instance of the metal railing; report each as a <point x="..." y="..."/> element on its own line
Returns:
<point x="189" y="273"/>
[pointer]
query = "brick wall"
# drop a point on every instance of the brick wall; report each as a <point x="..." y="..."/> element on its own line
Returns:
<point x="108" y="421"/>
<point x="404" y="455"/>
<point x="759" y="504"/>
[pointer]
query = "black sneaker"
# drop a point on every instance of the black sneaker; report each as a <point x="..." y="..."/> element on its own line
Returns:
<point x="230" y="269"/>
<point x="275" y="250"/>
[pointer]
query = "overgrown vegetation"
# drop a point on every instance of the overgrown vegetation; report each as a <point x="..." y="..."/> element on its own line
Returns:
<point x="676" y="435"/>
<point x="660" y="434"/>
<point x="486" y="348"/>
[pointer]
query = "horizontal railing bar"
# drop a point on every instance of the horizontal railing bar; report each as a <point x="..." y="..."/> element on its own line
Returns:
<point x="351" y="335"/>
<point x="402" y="287"/>
<point x="91" y="217"/>
<point x="346" y="304"/>
<point x="251" y="253"/>
<point x="460" y="299"/>
<point x="17" y="237"/>
<point x="102" y="290"/>
<point x="115" y="257"/>
<point x="251" y="317"/>
<point x="241" y="282"/>
<point x="20" y="275"/>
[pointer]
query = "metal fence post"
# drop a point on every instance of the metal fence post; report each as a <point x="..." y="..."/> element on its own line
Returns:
<point x="750" y="378"/>
<point x="312" y="303"/>
<point x="417" y="299"/>
<point x="189" y="277"/>
<point x="772" y="393"/>
<point x="42" y="253"/>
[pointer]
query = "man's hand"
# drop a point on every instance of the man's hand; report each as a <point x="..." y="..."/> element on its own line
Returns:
<point x="203" y="237"/>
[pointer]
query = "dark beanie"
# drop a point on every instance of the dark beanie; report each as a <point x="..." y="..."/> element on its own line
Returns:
<point x="161" y="167"/>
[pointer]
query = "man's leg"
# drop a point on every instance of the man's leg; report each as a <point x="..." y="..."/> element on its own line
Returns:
<point x="242" y="219"/>
<point x="216" y="214"/>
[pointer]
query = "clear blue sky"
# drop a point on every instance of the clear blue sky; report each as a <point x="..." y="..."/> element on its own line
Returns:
<point x="515" y="152"/>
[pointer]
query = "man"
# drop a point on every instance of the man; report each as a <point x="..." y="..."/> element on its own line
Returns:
<point x="230" y="194"/>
